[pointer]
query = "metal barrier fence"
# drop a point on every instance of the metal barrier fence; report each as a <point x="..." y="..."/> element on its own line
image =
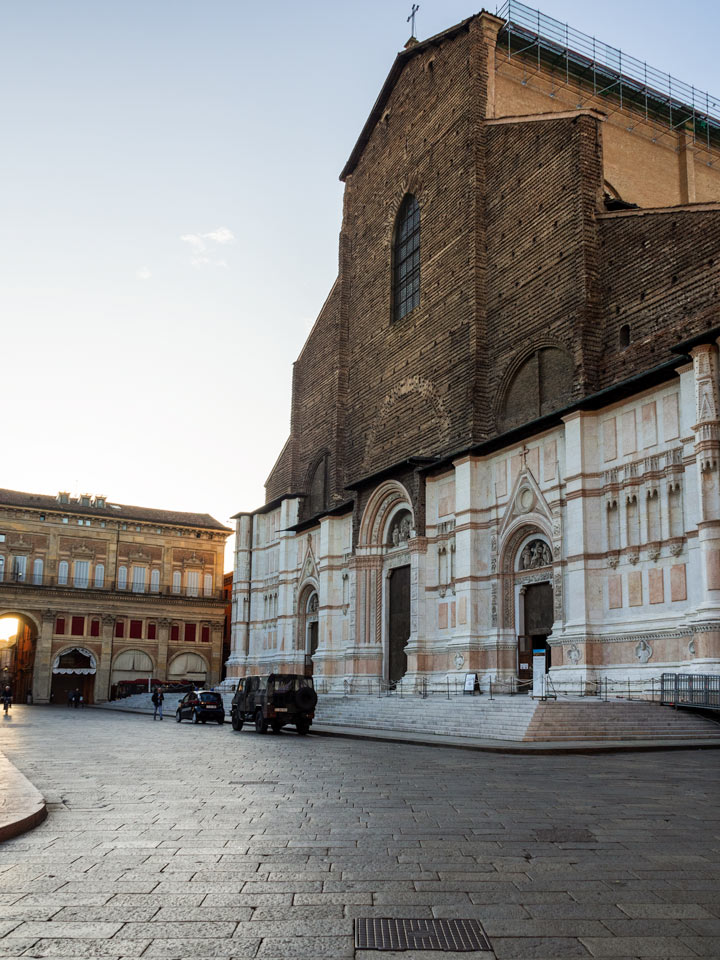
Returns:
<point x="605" y="688"/>
<point x="690" y="690"/>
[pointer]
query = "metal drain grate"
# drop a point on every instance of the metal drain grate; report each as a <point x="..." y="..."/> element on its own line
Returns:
<point x="389" y="933"/>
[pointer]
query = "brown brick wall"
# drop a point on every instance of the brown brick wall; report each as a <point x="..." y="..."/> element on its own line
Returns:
<point x="661" y="276"/>
<point x="516" y="255"/>
<point x="543" y="193"/>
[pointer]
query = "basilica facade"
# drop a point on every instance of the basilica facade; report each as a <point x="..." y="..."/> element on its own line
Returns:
<point x="505" y="424"/>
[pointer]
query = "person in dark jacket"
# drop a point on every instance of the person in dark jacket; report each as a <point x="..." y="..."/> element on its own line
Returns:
<point x="157" y="699"/>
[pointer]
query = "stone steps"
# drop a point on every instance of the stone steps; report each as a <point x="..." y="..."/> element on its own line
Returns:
<point x="517" y="718"/>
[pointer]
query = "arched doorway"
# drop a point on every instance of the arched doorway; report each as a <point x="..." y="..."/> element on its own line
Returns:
<point x="534" y="602"/>
<point x="188" y="666"/>
<point x="311" y="624"/>
<point x="73" y="669"/>
<point x="131" y="665"/>
<point x="18" y="638"/>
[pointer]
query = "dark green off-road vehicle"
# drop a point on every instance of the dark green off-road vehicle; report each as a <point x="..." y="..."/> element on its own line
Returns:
<point x="275" y="701"/>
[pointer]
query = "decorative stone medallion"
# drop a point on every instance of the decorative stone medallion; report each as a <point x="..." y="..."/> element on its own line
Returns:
<point x="459" y="661"/>
<point x="573" y="653"/>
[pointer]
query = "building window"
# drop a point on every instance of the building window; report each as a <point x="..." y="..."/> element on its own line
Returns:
<point x="95" y="628"/>
<point x="122" y="578"/>
<point x="624" y="336"/>
<point x="99" y="575"/>
<point x="155" y="581"/>
<point x="138" y="579"/>
<point x="120" y="629"/>
<point x="2" y="569"/>
<point x="177" y="581"/>
<point x="63" y="570"/>
<point x="205" y="635"/>
<point x="60" y="626"/>
<point x="207" y="584"/>
<point x="136" y="629"/>
<point x="19" y="569"/>
<point x="77" y="626"/>
<point x="175" y="633"/>
<point x="193" y="583"/>
<point x="190" y="630"/>
<point x="81" y="574"/>
<point x="152" y="631"/>
<point x="406" y="258"/>
<point x="37" y="575"/>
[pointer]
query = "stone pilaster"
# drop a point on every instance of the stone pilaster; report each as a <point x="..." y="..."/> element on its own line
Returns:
<point x="707" y="459"/>
<point x="102" y="678"/>
<point x="42" y="673"/>
<point x="162" y="647"/>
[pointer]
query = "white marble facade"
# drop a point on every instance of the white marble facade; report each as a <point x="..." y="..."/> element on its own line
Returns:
<point x="617" y="509"/>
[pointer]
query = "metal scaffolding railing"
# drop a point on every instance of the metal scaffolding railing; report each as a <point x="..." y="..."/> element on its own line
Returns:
<point x="605" y="72"/>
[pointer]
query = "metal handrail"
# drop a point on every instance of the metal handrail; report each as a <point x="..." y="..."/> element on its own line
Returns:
<point x="33" y="581"/>
<point x="661" y="96"/>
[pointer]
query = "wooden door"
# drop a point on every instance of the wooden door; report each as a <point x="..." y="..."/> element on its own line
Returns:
<point x="538" y="601"/>
<point x="399" y="622"/>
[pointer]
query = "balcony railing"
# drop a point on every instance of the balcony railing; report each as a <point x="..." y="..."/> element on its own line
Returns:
<point x="32" y="581"/>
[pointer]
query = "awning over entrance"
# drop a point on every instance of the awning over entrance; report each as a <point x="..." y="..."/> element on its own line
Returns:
<point x="78" y="660"/>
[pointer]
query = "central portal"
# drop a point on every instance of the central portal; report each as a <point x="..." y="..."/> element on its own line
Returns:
<point x="398" y="622"/>
<point x="538" y="618"/>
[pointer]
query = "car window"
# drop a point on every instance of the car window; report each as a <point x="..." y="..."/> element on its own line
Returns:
<point x="262" y="683"/>
<point x="210" y="697"/>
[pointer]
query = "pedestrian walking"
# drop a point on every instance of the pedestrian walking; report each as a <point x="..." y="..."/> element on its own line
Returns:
<point x="7" y="698"/>
<point x="157" y="699"/>
<point x="76" y="698"/>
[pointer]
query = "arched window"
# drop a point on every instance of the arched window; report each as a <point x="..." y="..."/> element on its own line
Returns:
<point x="155" y="581"/>
<point x="37" y="570"/>
<point x="63" y="570"/>
<point x="99" y="575"/>
<point x="318" y="489"/>
<point x="176" y="581"/>
<point x="406" y="258"/>
<point x="122" y="578"/>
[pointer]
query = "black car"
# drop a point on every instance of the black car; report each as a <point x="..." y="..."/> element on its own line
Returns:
<point x="277" y="700"/>
<point x="201" y="706"/>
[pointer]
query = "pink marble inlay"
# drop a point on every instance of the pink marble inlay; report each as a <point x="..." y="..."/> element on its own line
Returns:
<point x="656" y="586"/>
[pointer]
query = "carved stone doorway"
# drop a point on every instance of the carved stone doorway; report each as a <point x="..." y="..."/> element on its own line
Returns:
<point x="311" y="631"/>
<point x="398" y="622"/>
<point x="537" y="626"/>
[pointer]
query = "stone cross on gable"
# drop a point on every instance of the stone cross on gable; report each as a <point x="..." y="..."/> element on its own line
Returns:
<point x="411" y="18"/>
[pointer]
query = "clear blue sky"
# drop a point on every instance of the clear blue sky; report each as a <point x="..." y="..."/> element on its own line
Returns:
<point x="169" y="219"/>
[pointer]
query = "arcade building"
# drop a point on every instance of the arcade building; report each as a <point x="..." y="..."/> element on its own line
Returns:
<point x="93" y="593"/>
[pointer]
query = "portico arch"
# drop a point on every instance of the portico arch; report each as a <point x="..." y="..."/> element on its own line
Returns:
<point x="17" y="652"/>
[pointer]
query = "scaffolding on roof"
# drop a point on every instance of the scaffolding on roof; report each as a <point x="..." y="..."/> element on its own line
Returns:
<point x="602" y="71"/>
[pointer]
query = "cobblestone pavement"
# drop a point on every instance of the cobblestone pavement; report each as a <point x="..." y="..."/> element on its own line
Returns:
<point x="193" y="841"/>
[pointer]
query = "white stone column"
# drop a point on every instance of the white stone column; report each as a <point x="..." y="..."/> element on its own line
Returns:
<point x="707" y="460"/>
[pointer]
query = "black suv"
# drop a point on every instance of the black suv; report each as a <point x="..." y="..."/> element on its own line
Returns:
<point x="276" y="701"/>
<point x="200" y="706"/>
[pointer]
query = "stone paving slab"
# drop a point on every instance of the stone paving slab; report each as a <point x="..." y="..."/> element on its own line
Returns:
<point x="154" y="845"/>
<point x="22" y="806"/>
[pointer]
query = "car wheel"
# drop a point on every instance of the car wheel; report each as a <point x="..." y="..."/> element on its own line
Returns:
<point x="237" y="723"/>
<point x="195" y="717"/>
<point x="302" y="727"/>
<point x="178" y="718"/>
<point x="277" y="726"/>
<point x="221" y="720"/>
<point x="261" y="723"/>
